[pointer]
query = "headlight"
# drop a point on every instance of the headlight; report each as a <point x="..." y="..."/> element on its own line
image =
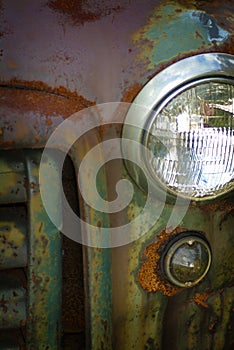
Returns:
<point x="187" y="128"/>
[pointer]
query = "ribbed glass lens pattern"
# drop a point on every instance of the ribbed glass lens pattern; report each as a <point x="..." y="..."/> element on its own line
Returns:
<point x="191" y="141"/>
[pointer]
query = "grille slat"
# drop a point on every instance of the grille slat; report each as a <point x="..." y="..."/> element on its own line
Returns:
<point x="13" y="237"/>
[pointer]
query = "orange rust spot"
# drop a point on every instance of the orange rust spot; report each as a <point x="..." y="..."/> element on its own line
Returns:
<point x="149" y="275"/>
<point x="131" y="92"/>
<point x="201" y="299"/>
<point x="48" y="122"/>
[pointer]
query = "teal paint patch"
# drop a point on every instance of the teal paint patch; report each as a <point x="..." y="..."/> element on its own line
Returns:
<point x="173" y="31"/>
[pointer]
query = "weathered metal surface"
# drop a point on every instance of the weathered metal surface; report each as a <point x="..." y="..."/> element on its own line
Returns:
<point x="69" y="44"/>
<point x="13" y="237"/>
<point x="99" y="303"/>
<point x="124" y="300"/>
<point x="45" y="111"/>
<point x="45" y="264"/>
<point x="198" y="325"/>
<point x="80" y="54"/>
<point x="191" y="316"/>
<point x="12" y="299"/>
<point x="35" y="135"/>
<point x="159" y="42"/>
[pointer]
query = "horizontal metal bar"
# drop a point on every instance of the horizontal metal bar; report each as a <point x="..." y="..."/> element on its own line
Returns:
<point x="13" y="240"/>
<point x="12" y="178"/>
<point x="12" y="299"/>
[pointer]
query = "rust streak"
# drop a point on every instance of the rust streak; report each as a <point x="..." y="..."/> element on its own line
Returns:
<point x="201" y="299"/>
<point x="131" y="92"/>
<point x="36" y="97"/>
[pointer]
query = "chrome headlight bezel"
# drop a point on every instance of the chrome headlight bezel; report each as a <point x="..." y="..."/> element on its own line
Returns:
<point x="155" y="95"/>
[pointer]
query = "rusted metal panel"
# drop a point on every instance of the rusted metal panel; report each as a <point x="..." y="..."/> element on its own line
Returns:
<point x="45" y="111"/>
<point x="94" y="49"/>
<point x="128" y="307"/>
<point x="143" y="317"/>
<point x="98" y="315"/>
<point x="120" y="310"/>
<point x="201" y="322"/>
<point x="13" y="237"/>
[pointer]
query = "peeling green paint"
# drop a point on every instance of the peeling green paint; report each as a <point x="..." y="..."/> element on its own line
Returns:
<point x="173" y="30"/>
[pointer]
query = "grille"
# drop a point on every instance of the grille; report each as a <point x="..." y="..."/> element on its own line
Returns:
<point x="41" y="272"/>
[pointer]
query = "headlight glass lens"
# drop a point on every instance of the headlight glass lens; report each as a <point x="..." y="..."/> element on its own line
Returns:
<point x="191" y="141"/>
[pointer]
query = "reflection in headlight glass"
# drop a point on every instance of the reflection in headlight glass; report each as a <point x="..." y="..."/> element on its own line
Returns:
<point x="191" y="141"/>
